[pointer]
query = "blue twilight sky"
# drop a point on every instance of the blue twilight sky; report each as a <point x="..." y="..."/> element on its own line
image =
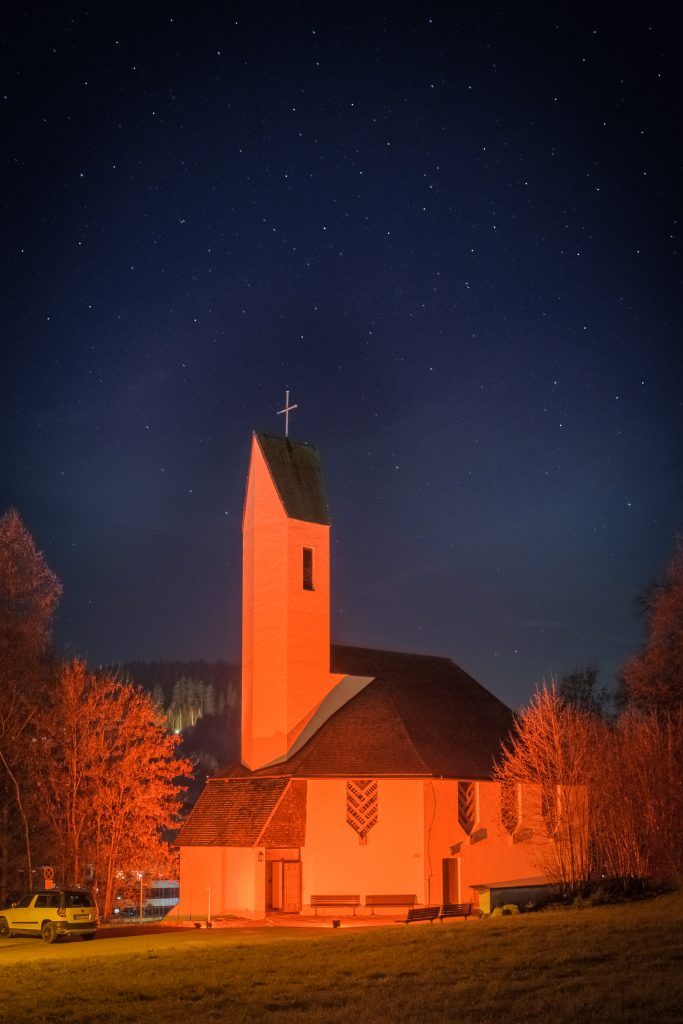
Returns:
<point x="453" y="234"/>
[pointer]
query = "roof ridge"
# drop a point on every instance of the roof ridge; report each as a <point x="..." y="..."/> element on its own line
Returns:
<point x="399" y="654"/>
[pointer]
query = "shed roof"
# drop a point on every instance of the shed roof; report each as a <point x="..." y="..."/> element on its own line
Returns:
<point x="296" y="471"/>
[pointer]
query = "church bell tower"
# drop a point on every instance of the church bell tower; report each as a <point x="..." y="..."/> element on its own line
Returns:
<point x="285" y="598"/>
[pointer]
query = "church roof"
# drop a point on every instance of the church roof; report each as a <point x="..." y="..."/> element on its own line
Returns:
<point x="232" y="815"/>
<point x="248" y="812"/>
<point x="297" y="474"/>
<point x="420" y="716"/>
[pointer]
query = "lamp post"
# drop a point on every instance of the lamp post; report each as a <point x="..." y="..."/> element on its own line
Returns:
<point x="208" y="907"/>
<point x="140" y="876"/>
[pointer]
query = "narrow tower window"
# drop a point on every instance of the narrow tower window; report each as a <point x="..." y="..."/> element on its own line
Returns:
<point x="308" y="569"/>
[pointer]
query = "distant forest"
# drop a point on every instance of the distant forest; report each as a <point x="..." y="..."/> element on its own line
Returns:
<point x="165" y="674"/>
<point x="201" y="701"/>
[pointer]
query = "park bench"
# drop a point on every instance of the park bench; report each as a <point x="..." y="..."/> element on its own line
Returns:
<point x="422" y="914"/>
<point x="390" y="900"/>
<point x="455" y="910"/>
<point x="335" y="901"/>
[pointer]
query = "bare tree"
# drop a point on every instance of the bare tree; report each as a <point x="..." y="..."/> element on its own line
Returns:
<point x="29" y="592"/>
<point x="637" y="798"/>
<point x="580" y="690"/>
<point x="653" y="678"/>
<point x="549" y="754"/>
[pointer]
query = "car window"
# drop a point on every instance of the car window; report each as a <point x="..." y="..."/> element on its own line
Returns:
<point x="25" y="901"/>
<point x="42" y="900"/>
<point x="78" y="899"/>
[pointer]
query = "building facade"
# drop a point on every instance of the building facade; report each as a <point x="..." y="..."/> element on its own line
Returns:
<point x="363" y="772"/>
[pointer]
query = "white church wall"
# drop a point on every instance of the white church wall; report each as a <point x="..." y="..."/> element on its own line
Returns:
<point x="392" y="859"/>
<point x="490" y="853"/>
<point x="234" y="876"/>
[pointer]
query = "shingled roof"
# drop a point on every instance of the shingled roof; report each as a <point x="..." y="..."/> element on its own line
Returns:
<point x="232" y="814"/>
<point x="297" y="474"/>
<point x="247" y="812"/>
<point x="420" y="716"/>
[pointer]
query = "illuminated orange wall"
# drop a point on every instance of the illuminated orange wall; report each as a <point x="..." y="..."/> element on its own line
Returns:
<point x="236" y="877"/>
<point x="391" y="861"/>
<point x="417" y="828"/>
<point x="494" y="857"/>
<point x="285" y="629"/>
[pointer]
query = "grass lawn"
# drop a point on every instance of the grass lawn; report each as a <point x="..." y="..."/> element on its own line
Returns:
<point x="609" y="964"/>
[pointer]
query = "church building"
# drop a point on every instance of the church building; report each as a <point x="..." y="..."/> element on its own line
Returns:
<point x="364" y="773"/>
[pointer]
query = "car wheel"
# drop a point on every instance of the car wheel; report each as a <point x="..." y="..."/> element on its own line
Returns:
<point x="49" y="932"/>
<point x="4" y="928"/>
<point x="88" y="935"/>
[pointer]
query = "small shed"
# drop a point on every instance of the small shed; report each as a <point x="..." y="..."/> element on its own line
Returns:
<point x="521" y="891"/>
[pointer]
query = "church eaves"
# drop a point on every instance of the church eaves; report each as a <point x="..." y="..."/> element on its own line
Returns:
<point x="297" y="474"/>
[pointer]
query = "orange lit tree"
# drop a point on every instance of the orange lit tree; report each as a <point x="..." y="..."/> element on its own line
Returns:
<point x="637" y="798"/>
<point x="110" y="781"/>
<point x="29" y="593"/>
<point x="550" y="756"/>
<point x="608" y="805"/>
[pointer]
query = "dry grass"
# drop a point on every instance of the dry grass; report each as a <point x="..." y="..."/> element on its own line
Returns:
<point x="612" y="964"/>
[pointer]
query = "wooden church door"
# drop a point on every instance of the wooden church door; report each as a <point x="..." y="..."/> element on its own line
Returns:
<point x="291" y="886"/>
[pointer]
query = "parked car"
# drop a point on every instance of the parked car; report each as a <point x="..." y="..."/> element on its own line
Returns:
<point x="51" y="913"/>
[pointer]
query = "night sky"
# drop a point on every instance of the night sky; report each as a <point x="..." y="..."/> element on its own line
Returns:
<point x="452" y="232"/>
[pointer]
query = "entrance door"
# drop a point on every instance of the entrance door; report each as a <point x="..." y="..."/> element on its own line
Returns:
<point x="274" y="885"/>
<point x="291" y="886"/>
<point x="451" y="880"/>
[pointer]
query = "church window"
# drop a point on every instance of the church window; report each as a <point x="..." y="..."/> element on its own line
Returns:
<point x="362" y="806"/>
<point x="509" y="806"/>
<point x="467" y="806"/>
<point x="308" y="569"/>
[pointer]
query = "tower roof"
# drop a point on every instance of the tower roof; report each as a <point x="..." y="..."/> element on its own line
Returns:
<point x="297" y="474"/>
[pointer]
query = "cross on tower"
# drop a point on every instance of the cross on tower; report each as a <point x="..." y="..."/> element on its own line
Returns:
<point x="287" y="409"/>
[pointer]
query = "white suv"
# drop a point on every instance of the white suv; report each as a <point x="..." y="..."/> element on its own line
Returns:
<point x="51" y="913"/>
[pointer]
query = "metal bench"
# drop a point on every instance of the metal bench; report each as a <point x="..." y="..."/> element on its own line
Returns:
<point x="455" y="910"/>
<point x="390" y="900"/>
<point x="422" y="914"/>
<point x="335" y="901"/>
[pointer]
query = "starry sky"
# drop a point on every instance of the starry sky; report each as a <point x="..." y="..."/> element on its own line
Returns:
<point x="452" y="232"/>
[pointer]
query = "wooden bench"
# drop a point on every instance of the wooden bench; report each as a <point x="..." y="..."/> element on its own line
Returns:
<point x="455" y="910"/>
<point x="335" y="901"/>
<point x="390" y="900"/>
<point x="422" y="914"/>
